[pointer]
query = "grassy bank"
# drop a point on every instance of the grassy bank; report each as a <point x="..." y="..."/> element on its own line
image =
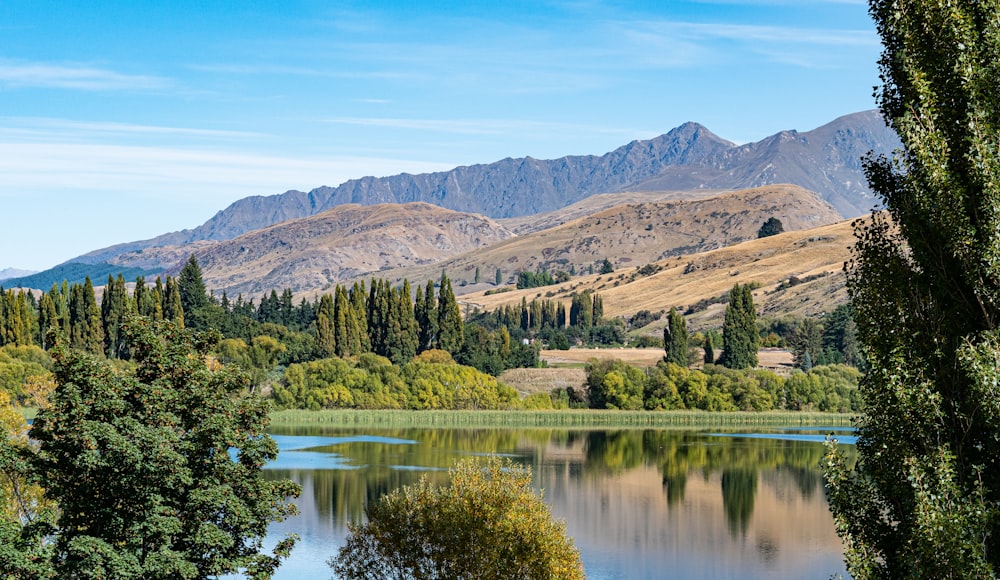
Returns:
<point x="549" y="419"/>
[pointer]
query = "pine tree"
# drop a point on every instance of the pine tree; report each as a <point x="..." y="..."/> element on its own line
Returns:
<point x="191" y="287"/>
<point x="675" y="339"/>
<point x="427" y="316"/>
<point x="114" y="307"/>
<point x="498" y="278"/>
<point x="921" y="500"/>
<point x="450" y="331"/>
<point x="740" y="339"/>
<point x="48" y="318"/>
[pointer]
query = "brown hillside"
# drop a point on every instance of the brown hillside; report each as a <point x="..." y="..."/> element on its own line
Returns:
<point x="799" y="273"/>
<point x="633" y="235"/>
<point x="350" y="240"/>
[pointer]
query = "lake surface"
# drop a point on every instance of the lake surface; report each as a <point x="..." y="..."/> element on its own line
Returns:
<point x="638" y="503"/>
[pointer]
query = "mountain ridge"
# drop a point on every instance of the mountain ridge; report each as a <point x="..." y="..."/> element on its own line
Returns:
<point x="826" y="160"/>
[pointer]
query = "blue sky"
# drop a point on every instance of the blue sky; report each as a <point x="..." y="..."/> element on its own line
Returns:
<point x="122" y="120"/>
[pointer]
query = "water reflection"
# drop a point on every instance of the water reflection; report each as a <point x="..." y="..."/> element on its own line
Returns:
<point x="639" y="504"/>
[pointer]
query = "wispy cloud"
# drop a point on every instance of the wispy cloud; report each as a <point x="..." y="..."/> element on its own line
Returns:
<point x="19" y="74"/>
<point x="486" y="126"/>
<point x="175" y="173"/>
<point x="61" y="127"/>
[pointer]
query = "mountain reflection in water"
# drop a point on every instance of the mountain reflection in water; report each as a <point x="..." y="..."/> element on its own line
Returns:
<point x="638" y="503"/>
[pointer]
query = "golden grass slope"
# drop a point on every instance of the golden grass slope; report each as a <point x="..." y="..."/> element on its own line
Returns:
<point x="799" y="272"/>
<point x="634" y="234"/>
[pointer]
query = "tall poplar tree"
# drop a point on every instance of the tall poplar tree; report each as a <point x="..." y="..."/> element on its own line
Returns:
<point x="325" y="338"/>
<point x="740" y="339"/>
<point x="675" y="339"/>
<point x="426" y="313"/>
<point x="923" y="499"/>
<point x="114" y="306"/>
<point x="450" y="332"/>
<point x="173" y="309"/>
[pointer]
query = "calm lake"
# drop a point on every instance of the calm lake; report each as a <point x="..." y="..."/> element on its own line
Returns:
<point x="638" y="503"/>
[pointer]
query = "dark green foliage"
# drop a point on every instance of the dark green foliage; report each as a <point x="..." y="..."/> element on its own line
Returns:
<point x="606" y="266"/>
<point x="498" y="278"/>
<point x="157" y="470"/>
<point x="534" y="279"/>
<point x="86" y="332"/>
<point x="771" y="227"/>
<point x="739" y="330"/>
<point x="922" y="500"/>
<point x="426" y="313"/>
<point x="115" y="305"/>
<point x="449" y="318"/>
<point x="675" y="339"/>
<point x="581" y="311"/>
<point x="192" y="287"/>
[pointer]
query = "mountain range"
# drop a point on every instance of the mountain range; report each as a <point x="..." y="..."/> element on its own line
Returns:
<point x="826" y="160"/>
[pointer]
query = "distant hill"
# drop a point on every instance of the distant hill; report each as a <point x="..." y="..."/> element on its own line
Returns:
<point x="8" y="273"/>
<point x="799" y="272"/>
<point x="826" y="160"/>
<point x="631" y="235"/>
<point x="314" y="252"/>
<point x="77" y="273"/>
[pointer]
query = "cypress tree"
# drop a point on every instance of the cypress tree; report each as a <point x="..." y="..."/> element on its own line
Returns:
<point x="675" y="339"/>
<point x="159" y="300"/>
<point x="740" y="340"/>
<point x="450" y="332"/>
<point x="342" y="324"/>
<point x="325" y="337"/>
<point x="114" y="307"/>
<point x="47" y="318"/>
<point x="359" y="318"/>
<point x="598" y="308"/>
<point x="426" y="313"/>
<point x="405" y="331"/>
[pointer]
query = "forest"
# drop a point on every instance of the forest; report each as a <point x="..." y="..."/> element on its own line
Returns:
<point x="377" y="346"/>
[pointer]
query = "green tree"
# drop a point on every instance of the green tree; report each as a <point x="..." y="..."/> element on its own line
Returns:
<point x="450" y="336"/>
<point x="157" y="470"/>
<point x="326" y="340"/>
<point x="498" y="278"/>
<point x="675" y="339"/>
<point x="487" y="523"/>
<point x="922" y="499"/>
<point x="771" y="227"/>
<point x="86" y="332"/>
<point x="426" y="313"/>
<point x="740" y="340"/>
<point x="191" y="286"/>
<point x="115" y="305"/>
<point x="606" y="266"/>
<point x="173" y="309"/>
